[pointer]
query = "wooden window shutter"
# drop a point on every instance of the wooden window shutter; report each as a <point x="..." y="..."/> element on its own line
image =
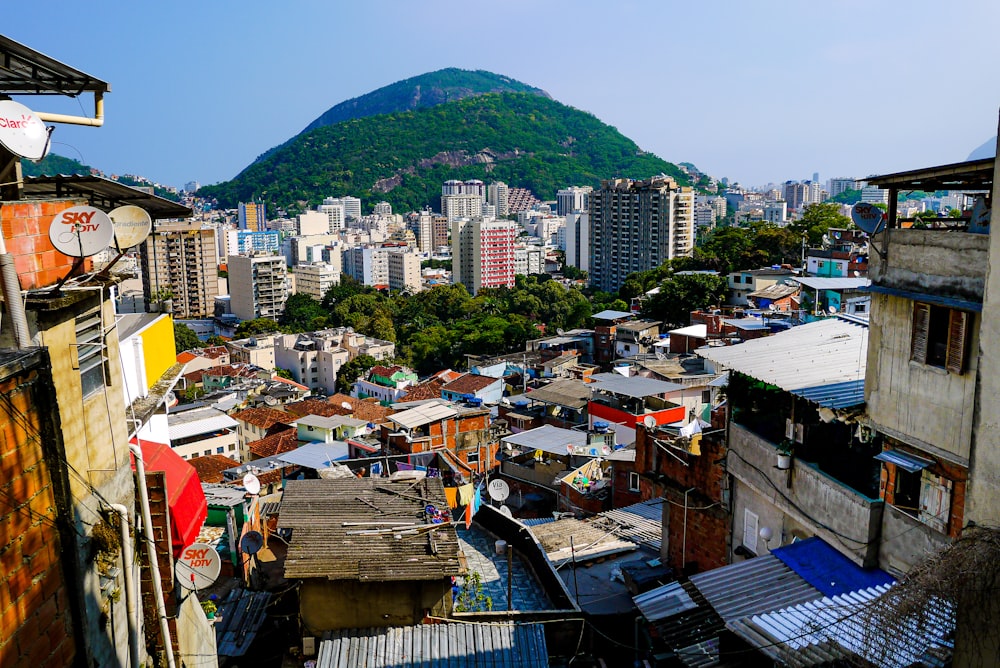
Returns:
<point x="921" y="325"/>
<point x="958" y="339"/>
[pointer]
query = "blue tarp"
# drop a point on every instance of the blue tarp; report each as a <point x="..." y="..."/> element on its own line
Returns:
<point x="822" y="566"/>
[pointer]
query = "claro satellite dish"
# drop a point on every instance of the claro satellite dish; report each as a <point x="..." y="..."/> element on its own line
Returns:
<point x="252" y="542"/>
<point x="498" y="490"/>
<point x="868" y="217"/>
<point x="251" y="484"/>
<point x="22" y="132"/>
<point x="132" y="225"/>
<point x="81" y="231"/>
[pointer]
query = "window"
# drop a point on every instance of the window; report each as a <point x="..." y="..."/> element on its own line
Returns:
<point x="940" y="336"/>
<point x="633" y="481"/>
<point x="473" y="457"/>
<point x="90" y="356"/>
<point x="219" y="450"/>
<point x="924" y="495"/>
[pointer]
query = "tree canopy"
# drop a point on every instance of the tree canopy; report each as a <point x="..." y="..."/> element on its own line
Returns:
<point x="184" y="338"/>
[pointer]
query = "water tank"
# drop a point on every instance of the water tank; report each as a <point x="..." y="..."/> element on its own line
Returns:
<point x="601" y="427"/>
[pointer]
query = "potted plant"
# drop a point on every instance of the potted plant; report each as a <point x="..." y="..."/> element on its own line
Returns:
<point x="785" y="449"/>
<point x="209" y="608"/>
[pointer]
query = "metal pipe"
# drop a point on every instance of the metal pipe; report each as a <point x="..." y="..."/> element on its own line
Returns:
<point x="95" y="122"/>
<point x="12" y="295"/>
<point x="128" y="562"/>
<point x="154" y="564"/>
<point x="684" y="538"/>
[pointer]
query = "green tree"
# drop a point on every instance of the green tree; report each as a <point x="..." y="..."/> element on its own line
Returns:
<point x="215" y="340"/>
<point x="301" y="312"/>
<point x="353" y="370"/>
<point x="255" y="327"/>
<point x="817" y="219"/>
<point x="283" y="373"/>
<point x="680" y="295"/>
<point x="184" y="338"/>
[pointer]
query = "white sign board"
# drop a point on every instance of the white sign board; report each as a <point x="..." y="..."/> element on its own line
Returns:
<point x="22" y="132"/>
<point x="198" y="566"/>
<point x="81" y="231"/>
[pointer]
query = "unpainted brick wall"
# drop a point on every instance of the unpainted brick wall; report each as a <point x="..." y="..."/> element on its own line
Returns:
<point x="36" y="624"/>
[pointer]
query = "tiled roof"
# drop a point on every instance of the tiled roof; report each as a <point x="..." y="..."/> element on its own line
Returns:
<point x="275" y="444"/>
<point x="470" y="383"/>
<point x="210" y="467"/>
<point x="369" y="410"/>
<point x="319" y="407"/>
<point x="264" y="418"/>
<point x="385" y="371"/>
<point x="215" y="352"/>
<point x="238" y="371"/>
<point x="322" y="547"/>
<point x="429" y="389"/>
<point x="185" y="357"/>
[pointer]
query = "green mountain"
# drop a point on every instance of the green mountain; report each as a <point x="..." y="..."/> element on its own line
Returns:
<point x="53" y="164"/>
<point x="525" y="140"/>
<point x="426" y="90"/>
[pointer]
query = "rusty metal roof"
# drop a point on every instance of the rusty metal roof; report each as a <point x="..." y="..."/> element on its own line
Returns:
<point x="26" y="71"/>
<point x="102" y="193"/>
<point x="367" y="529"/>
<point x="971" y="175"/>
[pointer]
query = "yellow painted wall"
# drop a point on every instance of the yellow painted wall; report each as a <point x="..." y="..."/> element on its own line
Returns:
<point x="158" y="349"/>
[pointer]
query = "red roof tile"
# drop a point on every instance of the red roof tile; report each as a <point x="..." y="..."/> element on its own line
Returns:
<point x="429" y="389"/>
<point x="369" y="410"/>
<point x="210" y="467"/>
<point x="264" y="418"/>
<point x="470" y="383"/>
<point x="275" y="444"/>
<point x="320" y="407"/>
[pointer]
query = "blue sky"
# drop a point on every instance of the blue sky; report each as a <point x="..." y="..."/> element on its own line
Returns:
<point x="757" y="91"/>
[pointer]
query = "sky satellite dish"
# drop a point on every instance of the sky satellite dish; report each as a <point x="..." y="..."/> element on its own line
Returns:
<point x="251" y="484"/>
<point x="504" y="510"/>
<point x="498" y="490"/>
<point x="22" y="132"/>
<point x="868" y="217"/>
<point x="198" y="566"/>
<point x="132" y="225"/>
<point x="81" y="231"/>
<point x="649" y="421"/>
<point x="252" y="542"/>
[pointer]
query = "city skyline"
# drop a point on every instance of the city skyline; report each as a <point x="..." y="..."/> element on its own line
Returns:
<point x="757" y="94"/>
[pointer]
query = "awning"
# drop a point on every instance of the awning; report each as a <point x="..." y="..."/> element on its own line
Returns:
<point x="185" y="497"/>
<point x="904" y="460"/>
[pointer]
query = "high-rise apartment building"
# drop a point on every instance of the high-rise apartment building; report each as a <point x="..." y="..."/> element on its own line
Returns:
<point x="334" y="210"/>
<point x="383" y="209"/>
<point x="483" y="253"/>
<point x="840" y="184"/>
<point x="637" y="226"/>
<point x="454" y="207"/>
<point x="776" y="212"/>
<point x="498" y="194"/>
<point x="257" y="286"/>
<point x="252" y="216"/>
<point x="242" y="242"/>
<point x="179" y="259"/>
<point x="795" y="194"/>
<point x="352" y="207"/>
<point x="874" y="195"/>
<point x="574" y="198"/>
<point x="577" y="240"/>
<point x="367" y="265"/>
<point x="404" y="270"/>
<point x="315" y="278"/>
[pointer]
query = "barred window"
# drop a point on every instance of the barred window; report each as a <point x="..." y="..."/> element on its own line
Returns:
<point x="91" y="352"/>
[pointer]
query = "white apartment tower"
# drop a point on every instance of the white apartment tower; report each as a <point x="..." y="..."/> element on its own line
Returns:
<point x="257" y="286"/>
<point x="497" y="194"/>
<point x="577" y="240"/>
<point x="483" y="253"/>
<point x="404" y="270"/>
<point x="180" y="259"/>
<point x="334" y="210"/>
<point x="315" y="278"/>
<point x="574" y="198"/>
<point x="637" y="226"/>
<point x="454" y="207"/>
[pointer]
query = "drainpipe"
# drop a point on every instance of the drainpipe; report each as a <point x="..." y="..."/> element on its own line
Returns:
<point x="684" y="539"/>
<point x="128" y="561"/>
<point x="154" y="564"/>
<point x="95" y="122"/>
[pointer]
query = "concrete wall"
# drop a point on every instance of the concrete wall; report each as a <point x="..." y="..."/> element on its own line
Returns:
<point x="947" y="264"/>
<point x="802" y="497"/>
<point x="906" y="541"/>
<point x="346" y="604"/>
<point x="917" y="403"/>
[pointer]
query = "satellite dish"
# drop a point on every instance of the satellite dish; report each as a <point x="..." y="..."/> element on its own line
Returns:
<point x="504" y="510"/>
<point x="198" y="566"/>
<point x="857" y="273"/>
<point x="559" y="331"/>
<point x="81" y="231"/>
<point x="132" y="225"/>
<point x="498" y="490"/>
<point x="347" y="405"/>
<point x="649" y="421"/>
<point x="772" y="307"/>
<point x="831" y="309"/>
<point x="251" y="484"/>
<point x="269" y="400"/>
<point x="252" y="542"/>
<point x="868" y="217"/>
<point x="22" y="132"/>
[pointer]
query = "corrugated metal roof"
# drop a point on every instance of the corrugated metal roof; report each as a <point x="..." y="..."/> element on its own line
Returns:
<point x="637" y="387"/>
<point x="697" y="331"/>
<point x="206" y="421"/>
<point x="238" y="620"/>
<point x="331" y="422"/>
<point x="568" y="539"/>
<point x="833" y="628"/>
<point x="691" y="631"/>
<point x="905" y="460"/>
<point x="570" y="393"/>
<point x="424" y="414"/>
<point x="662" y="602"/>
<point x="641" y="523"/>
<point x="437" y="646"/>
<point x="316" y="455"/>
<point x="761" y="584"/>
<point x="609" y="314"/>
<point x="547" y="438"/>
<point x="835" y="395"/>
<point x="819" y="354"/>
<point x="836" y="283"/>
<point x="824" y="567"/>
